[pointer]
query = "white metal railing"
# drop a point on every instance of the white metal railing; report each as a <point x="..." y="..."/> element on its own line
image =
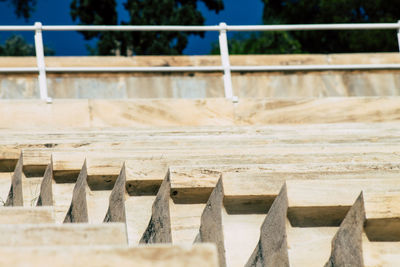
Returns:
<point x="225" y="67"/>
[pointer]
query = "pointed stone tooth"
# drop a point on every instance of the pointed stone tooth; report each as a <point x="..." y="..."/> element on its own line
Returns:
<point x="78" y="211"/>
<point x="159" y="227"/>
<point x="116" y="207"/>
<point x="46" y="187"/>
<point x="211" y="229"/>
<point x="15" y="196"/>
<point x="347" y="242"/>
<point x="271" y="249"/>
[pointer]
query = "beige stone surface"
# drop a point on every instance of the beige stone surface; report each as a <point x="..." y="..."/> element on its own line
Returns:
<point x="327" y="110"/>
<point x="381" y="253"/>
<point x="345" y="191"/>
<point x="185" y="221"/>
<point x="241" y="233"/>
<point x="97" y="204"/>
<point x="20" y="235"/>
<point x="153" y="256"/>
<point x="5" y="183"/>
<point x="325" y="202"/>
<point x="278" y="132"/>
<point x="35" y="113"/>
<point x="203" y="85"/>
<point x="26" y="215"/>
<point x="153" y="167"/>
<point x="300" y="59"/>
<point x="208" y="112"/>
<point x="264" y="175"/>
<point x="325" y="166"/>
<point x="200" y="85"/>
<point x="160" y="112"/>
<point x="62" y="196"/>
<point x="138" y="214"/>
<point x="31" y="190"/>
<point x="309" y="246"/>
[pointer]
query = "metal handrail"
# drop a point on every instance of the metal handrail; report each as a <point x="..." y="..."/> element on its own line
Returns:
<point x="222" y="28"/>
<point x="288" y="27"/>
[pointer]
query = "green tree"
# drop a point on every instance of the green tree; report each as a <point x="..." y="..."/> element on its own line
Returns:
<point x="260" y="43"/>
<point x="322" y="11"/>
<point x="97" y="12"/>
<point x="22" y="8"/>
<point x="142" y="12"/>
<point x="337" y="11"/>
<point x="16" y="45"/>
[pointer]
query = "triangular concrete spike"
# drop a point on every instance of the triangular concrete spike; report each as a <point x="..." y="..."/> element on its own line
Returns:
<point x="271" y="249"/>
<point x="78" y="209"/>
<point x="159" y="227"/>
<point x="347" y="242"/>
<point x="15" y="195"/>
<point x="211" y="229"/>
<point x="46" y="187"/>
<point x="116" y="206"/>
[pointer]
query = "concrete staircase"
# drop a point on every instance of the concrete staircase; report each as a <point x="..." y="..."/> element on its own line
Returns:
<point x="317" y="187"/>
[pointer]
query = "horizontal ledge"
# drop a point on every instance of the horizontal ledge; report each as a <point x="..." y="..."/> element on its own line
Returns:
<point x="212" y="68"/>
<point x="317" y="67"/>
<point x="135" y="69"/>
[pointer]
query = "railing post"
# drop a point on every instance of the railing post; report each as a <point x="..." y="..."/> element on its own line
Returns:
<point x="223" y="48"/>
<point x="40" y="62"/>
<point x="398" y="34"/>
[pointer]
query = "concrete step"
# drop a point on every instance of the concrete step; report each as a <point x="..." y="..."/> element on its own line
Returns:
<point x="147" y="256"/>
<point x="76" y="234"/>
<point x="180" y="112"/>
<point x="102" y="170"/>
<point x="35" y="161"/>
<point x="195" y="183"/>
<point x="26" y="215"/>
<point x="85" y="136"/>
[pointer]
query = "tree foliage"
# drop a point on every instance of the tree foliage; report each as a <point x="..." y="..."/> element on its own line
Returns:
<point x="142" y="12"/>
<point x="337" y="11"/>
<point x="16" y="45"/>
<point x="97" y="12"/>
<point x="260" y="43"/>
<point x="22" y="8"/>
<point x="323" y="11"/>
<point x="185" y="12"/>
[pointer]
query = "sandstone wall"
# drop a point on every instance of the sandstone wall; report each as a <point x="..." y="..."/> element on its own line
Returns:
<point x="200" y="85"/>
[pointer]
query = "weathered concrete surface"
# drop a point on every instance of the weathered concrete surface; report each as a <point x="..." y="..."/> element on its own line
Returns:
<point x="382" y="212"/>
<point x="272" y="249"/>
<point x="200" y="85"/>
<point x="347" y="243"/>
<point x="96" y="256"/>
<point x="159" y="228"/>
<point x="310" y="246"/>
<point x="46" y="188"/>
<point x="25" y="215"/>
<point x="78" y="211"/>
<point x="138" y="211"/>
<point x="116" y="207"/>
<point x="20" y="235"/>
<point x="15" y="195"/>
<point x="80" y="113"/>
<point x="211" y="229"/>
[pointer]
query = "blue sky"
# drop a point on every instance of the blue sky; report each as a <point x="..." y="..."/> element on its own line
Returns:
<point x="56" y="12"/>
